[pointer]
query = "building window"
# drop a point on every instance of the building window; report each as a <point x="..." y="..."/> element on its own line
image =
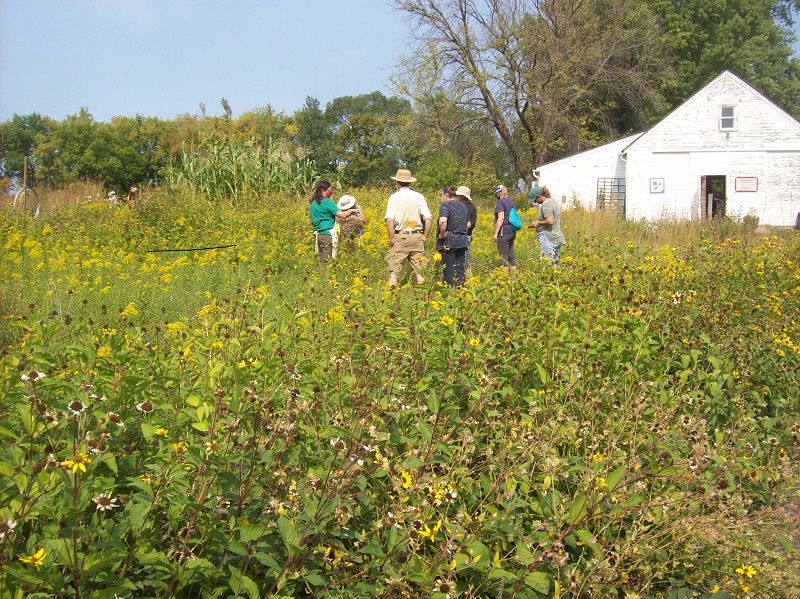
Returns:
<point x="727" y="118"/>
<point x="611" y="194"/>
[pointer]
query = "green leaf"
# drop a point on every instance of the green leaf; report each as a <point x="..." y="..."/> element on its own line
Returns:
<point x="251" y="532"/>
<point x="268" y="561"/>
<point x="500" y="573"/>
<point x="241" y="584"/>
<point x="148" y="431"/>
<point x="288" y="534"/>
<point x="539" y="582"/>
<point x="26" y="417"/>
<point x="110" y="461"/>
<point x="373" y="548"/>
<point x="426" y="431"/>
<point x="315" y="579"/>
<point x="433" y="403"/>
<point x="138" y="512"/>
<point x="577" y="509"/>
<point x="615" y="477"/>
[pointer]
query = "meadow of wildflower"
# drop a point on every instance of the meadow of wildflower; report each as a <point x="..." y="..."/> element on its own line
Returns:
<point x="245" y="423"/>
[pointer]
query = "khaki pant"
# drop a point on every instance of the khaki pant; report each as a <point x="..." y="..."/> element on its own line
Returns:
<point x="407" y="246"/>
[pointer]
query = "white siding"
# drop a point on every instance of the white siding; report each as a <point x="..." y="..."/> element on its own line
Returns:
<point x="782" y="189"/>
<point x="688" y="145"/>
<point x="576" y="177"/>
<point x="677" y="199"/>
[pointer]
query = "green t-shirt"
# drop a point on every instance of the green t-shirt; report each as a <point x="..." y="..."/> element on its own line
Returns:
<point x="323" y="215"/>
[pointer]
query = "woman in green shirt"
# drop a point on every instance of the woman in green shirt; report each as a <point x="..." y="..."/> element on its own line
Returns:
<point x="324" y="212"/>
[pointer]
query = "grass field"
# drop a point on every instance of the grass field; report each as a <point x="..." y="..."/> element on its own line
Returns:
<point x="243" y="422"/>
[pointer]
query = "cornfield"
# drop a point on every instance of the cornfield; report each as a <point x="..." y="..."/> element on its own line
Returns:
<point x="221" y="168"/>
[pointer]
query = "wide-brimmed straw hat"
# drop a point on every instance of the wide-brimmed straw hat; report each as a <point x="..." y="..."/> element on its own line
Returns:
<point x="464" y="192"/>
<point x="346" y="202"/>
<point x="403" y="176"/>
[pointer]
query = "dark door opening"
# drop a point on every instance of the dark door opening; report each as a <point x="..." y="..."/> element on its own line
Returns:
<point x="712" y="197"/>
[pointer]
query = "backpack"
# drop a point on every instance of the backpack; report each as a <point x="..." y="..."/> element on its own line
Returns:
<point x="514" y="220"/>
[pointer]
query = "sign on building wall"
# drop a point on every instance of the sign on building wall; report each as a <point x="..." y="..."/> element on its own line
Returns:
<point x="746" y="183"/>
<point x="657" y="185"/>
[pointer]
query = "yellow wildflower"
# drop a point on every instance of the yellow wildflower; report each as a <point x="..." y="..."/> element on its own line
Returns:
<point x="35" y="559"/>
<point x="446" y="320"/>
<point x="474" y="342"/>
<point x="405" y="478"/>
<point x="600" y="483"/>
<point x="746" y="570"/>
<point x="77" y="462"/>
<point x="104" y="351"/>
<point x="161" y="432"/>
<point x="130" y="311"/>
<point x="180" y="447"/>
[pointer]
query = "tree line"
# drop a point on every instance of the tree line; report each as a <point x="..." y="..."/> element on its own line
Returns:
<point x="491" y="89"/>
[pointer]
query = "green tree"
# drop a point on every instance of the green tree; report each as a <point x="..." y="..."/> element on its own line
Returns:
<point x="314" y="132"/>
<point x="366" y="135"/>
<point x="750" y="37"/>
<point x="550" y="77"/>
<point x="18" y="139"/>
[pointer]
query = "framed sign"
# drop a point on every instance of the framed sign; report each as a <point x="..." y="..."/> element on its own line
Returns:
<point x="657" y="185"/>
<point x="746" y="184"/>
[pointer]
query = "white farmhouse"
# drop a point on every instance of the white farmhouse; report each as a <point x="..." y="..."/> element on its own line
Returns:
<point x="728" y="151"/>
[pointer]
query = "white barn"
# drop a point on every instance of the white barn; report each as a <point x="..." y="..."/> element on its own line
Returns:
<point x="728" y="150"/>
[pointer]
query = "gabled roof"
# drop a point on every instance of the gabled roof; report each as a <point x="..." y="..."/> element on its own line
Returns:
<point x="693" y="98"/>
<point x="624" y="141"/>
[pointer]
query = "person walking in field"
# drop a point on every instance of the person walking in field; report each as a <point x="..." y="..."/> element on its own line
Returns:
<point x="504" y="235"/>
<point x="408" y="225"/>
<point x="453" y="239"/>
<point x="324" y="213"/>
<point x="548" y="226"/>
<point x="472" y="211"/>
<point x="353" y="225"/>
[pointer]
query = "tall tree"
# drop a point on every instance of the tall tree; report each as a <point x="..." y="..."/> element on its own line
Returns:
<point x="550" y="75"/>
<point x="366" y="135"/>
<point x="18" y="138"/>
<point x="314" y="133"/>
<point x="750" y="37"/>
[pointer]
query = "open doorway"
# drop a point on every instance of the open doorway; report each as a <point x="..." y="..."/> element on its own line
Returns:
<point x="712" y="197"/>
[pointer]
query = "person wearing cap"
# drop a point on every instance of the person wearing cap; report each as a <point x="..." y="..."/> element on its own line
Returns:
<point x="453" y="239"/>
<point x="408" y="225"/>
<point x="472" y="211"/>
<point x="352" y="226"/>
<point x="324" y="214"/>
<point x="504" y="235"/>
<point x="534" y="193"/>
<point x="548" y="226"/>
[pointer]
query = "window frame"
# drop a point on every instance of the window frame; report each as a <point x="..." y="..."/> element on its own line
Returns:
<point x="732" y="118"/>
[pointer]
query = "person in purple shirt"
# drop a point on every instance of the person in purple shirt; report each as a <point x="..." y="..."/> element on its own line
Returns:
<point x="504" y="235"/>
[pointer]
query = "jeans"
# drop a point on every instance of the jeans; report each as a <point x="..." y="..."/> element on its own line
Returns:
<point x="454" y="266"/>
<point x="550" y="250"/>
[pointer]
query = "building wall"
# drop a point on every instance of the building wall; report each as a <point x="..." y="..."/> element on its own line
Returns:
<point x="688" y="145"/>
<point x="576" y="177"/>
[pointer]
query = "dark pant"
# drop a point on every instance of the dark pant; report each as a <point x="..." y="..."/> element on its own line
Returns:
<point x="454" y="263"/>
<point x="505" y="245"/>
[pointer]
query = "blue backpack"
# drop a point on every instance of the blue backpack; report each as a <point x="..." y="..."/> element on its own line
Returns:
<point x="514" y="220"/>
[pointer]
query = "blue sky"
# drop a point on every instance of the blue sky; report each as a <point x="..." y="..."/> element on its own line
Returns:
<point x="164" y="57"/>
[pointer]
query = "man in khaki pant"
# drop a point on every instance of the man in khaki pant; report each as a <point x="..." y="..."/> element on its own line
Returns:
<point x="408" y="223"/>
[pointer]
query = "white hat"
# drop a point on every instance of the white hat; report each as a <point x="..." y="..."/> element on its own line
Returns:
<point x="346" y="202"/>
<point x="112" y="193"/>
<point x="464" y="192"/>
